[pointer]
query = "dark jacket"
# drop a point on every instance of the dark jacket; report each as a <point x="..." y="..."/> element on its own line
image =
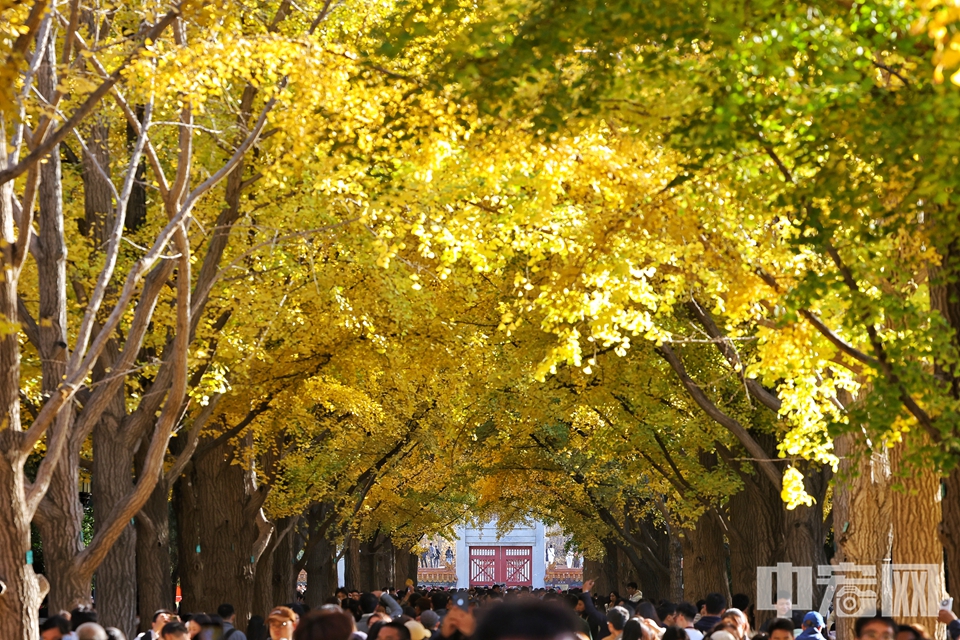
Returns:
<point x="595" y="618"/>
<point x="707" y="622"/>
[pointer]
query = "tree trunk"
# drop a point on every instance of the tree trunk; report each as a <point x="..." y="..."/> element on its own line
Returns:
<point x="950" y="534"/>
<point x="217" y="537"/>
<point x="405" y="563"/>
<point x="116" y="578"/>
<point x="154" y="580"/>
<point x="606" y="571"/>
<point x="20" y="603"/>
<point x="704" y="560"/>
<point x="352" y="572"/>
<point x="283" y="578"/>
<point x="754" y="518"/>
<point x="916" y="518"/>
<point x="862" y="513"/>
<point x="321" y="573"/>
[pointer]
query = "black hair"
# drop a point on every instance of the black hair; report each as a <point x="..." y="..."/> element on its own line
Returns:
<point x="780" y="624"/>
<point x="632" y="630"/>
<point x="617" y="617"/>
<point x="82" y="615"/>
<point x="174" y="627"/>
<point x="225" y="610"/>
<point x="439" y="600"/>
<point x="740" y="601"/>
<point x="528" y="619"/>
<point x="399" y="626"/>
<point x="715" y="603"/>
<point x="863" y="622"/>
<point x="56" y="622"/>
<point x="368" y="602"/>
<point x="674" y="633"/>
<point x="687" y="610"/>
<point x="632" y="585"/>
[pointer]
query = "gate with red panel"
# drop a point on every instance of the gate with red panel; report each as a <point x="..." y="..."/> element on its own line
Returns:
<point x="512" y="566"/>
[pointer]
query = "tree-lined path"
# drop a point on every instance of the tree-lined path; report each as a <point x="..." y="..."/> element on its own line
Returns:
<point x="288" y="282"/>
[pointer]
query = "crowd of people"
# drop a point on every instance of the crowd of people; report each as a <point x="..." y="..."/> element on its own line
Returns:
<point x="495" y="614"/>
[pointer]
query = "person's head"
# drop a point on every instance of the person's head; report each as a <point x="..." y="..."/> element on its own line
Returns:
<point x="739" y="620"/>
<point x="226" y="612"/>
<point x="632" y="588"/>
<point x="82" y="615"/>
<point x="342" y="593"/>
<point x="160" y="618"/>
<point x="439" y="599"/>
<point x="281" y="622"/>
<point x="616" y="618"/>
<point x="526" y="619"/>
<point x="912" y="632"/>
<point x="715" y="603"/>
<point x="784" y="604"/>
<point x="781" y="629"/>
<point x="325" y="625"/>
<point x="394" y="630"/>
<point x="674" y="632"/>
<point x="813" y="620"/>
<point x="875" y="628"/>
<point x="633" y="630"/>
<point x="685" y="614"/>
<point x="114" y="634"/>
<point x="430" y="620"/>
<point x="54" y="628"/>
<point x="354" y="595"/>
<point x="667" y="612"/>
<point x="174" y="631"/>
<point x="647" y="610"/>
<point x="740" y="601"/>
<point x="91" y="631"/>
<point x="614" y="597"/>
<point x="417" y="630"/>
<point x="369" y="602"/>
<point x="423" y="604"/>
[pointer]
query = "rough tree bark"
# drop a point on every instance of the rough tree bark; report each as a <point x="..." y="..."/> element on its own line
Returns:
<point x="862" y="512"/>
<point x="704" y="560"/>
<point x="916" y="518"/>
<point x="950" y="534"/>
<point x="321" y="573"/>
<point x="154" y="579"/>
<point x="217" y="538"/>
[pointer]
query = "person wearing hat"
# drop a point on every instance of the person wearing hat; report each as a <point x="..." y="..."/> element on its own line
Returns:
<point x="430" y="621"/>
<point x="160" y="618"/>
<point x="281" y="622"/>
<point x="812" y="626"/>
<point x="417" y="630"/>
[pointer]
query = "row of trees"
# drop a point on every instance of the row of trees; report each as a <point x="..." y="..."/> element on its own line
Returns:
<point x="296" y="281"/>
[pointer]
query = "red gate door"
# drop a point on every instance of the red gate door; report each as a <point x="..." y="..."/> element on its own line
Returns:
<point x="518" y="566"/>
<point x="483" y="565"/>
<point x="512" y="566"/>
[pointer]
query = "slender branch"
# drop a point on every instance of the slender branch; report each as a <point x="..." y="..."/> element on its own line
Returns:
<point x="51" y="141"/>
<point x="757" y="390"/>
<point x="718" y="416"/>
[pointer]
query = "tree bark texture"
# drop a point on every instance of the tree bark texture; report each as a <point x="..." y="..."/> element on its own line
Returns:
<point x="950" y="534"/>
<point x="916" y="518"/>
<point x="154" y="579"/>
<point x="321" y="573"/>
<point x="405" y="568"/>
<point x="216" y="536"/>
<point x="862" y="512"/>
<point x="704" y="560"/>
<point x="116" y="577"/>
